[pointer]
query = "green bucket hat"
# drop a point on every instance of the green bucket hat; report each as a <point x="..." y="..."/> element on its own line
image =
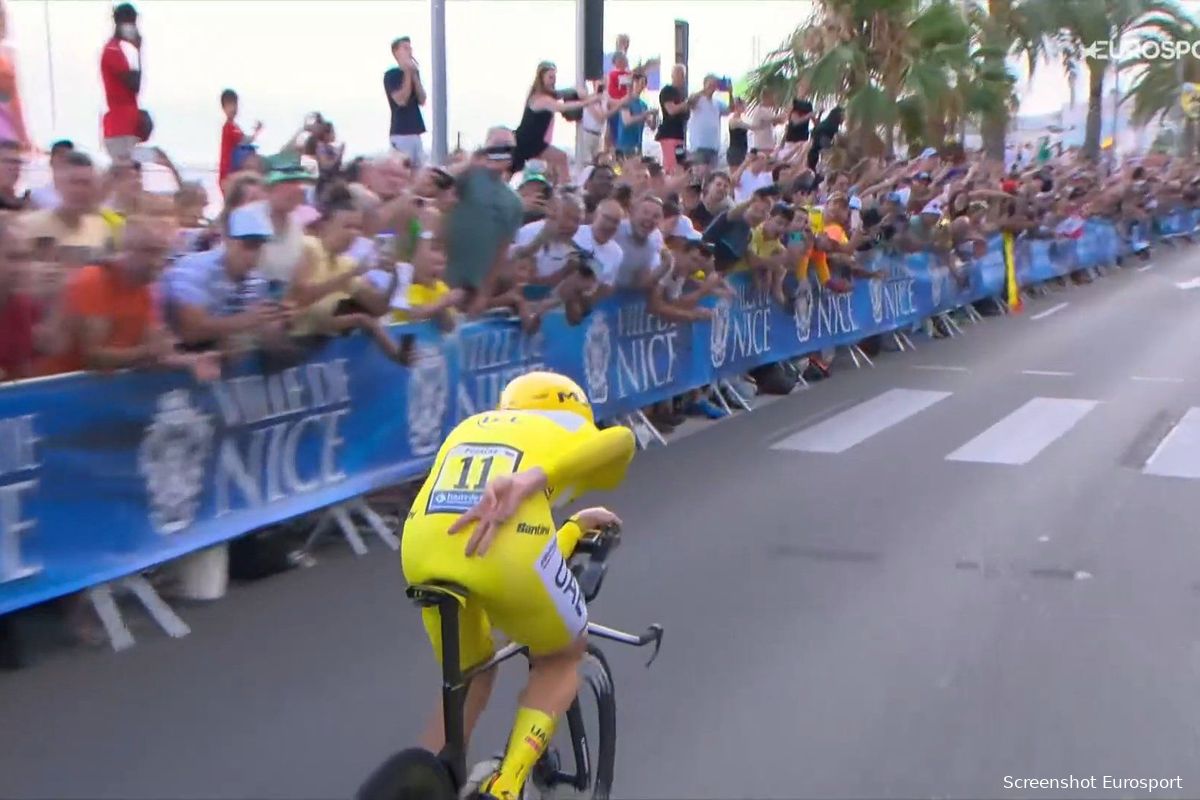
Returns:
<point x="291" y="168"/>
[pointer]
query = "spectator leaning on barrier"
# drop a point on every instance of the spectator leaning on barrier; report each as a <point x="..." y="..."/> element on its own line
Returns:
<point x="641" y="244"/>
<point x="481" y="225"/>
<point x="216" y="299"/>
<point x="121" y="74"/>
<point x="670" y="296"/>
<point x="109" y="318"/>
<point x="11" y="163"/>
<point x="405" y="95"/>
<point x="594" y="266"/>
<point x="550" y="242"/>
<point x="427" y="296"/>
<point x="74" y="234"/>
<point x="731" y="231"/>
<point x="328" y="290"/>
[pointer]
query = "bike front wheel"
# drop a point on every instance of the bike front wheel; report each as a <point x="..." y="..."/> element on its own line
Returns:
<point x="589" y="742"/>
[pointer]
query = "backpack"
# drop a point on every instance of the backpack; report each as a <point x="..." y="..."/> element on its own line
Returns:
<point x="778" y="378"/>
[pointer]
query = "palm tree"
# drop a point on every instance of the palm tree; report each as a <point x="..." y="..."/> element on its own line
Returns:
<point x="1003" y="29"/>
<point x="891" y="63"/>
<point x="1157" y="85"/>
<point x="1077" y="25"/>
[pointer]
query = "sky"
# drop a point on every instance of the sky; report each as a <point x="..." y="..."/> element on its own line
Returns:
<point x="288" y="57"/>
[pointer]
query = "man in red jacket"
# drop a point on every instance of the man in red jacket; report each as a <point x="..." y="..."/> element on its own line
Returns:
<point x="121" y="74"/>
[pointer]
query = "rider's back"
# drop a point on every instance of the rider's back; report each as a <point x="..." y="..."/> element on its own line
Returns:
<point x="484" y="447"/>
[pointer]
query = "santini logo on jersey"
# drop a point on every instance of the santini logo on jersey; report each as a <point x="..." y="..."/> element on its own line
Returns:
<point x="533" y="530"/>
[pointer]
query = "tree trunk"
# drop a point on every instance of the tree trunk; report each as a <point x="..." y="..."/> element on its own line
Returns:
<point x="1091" y="140"/>
<point x="993" y="127"/>
<point x="994" y="131"/>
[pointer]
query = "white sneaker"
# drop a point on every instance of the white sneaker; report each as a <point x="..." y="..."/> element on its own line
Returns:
<point x="478" y="774"/>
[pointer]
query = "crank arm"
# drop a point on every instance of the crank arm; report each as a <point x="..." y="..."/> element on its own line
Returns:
<point x="653" y="635"/>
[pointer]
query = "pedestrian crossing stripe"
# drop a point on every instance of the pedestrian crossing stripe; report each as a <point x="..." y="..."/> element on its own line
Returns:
<point x="1020" y="436"/>
<point x="1014" y="440"/>
<point x="1178" y="454"/>
<point x="859" y="423"/>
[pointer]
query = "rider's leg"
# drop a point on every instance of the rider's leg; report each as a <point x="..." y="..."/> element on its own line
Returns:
<point x="433" y="738"/>
<point x="475" y="646"/>
<point x="553" y="683"/>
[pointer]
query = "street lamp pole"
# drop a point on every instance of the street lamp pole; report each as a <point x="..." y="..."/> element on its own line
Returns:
<point x="441" y="94"/>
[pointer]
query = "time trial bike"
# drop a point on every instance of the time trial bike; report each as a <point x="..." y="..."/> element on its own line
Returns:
<point x="417" y="774"/>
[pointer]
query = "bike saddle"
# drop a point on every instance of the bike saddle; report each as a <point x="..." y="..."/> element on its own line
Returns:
<point x="435" y="593"/>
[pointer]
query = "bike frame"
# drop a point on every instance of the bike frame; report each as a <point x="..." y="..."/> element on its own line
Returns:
<point x="455" y="683"/>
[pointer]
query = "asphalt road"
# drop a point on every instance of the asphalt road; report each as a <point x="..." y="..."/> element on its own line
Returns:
<point x="849" y="614"/>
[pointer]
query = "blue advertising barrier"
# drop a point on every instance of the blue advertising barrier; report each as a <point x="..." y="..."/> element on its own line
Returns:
<point x="104" y="476"/>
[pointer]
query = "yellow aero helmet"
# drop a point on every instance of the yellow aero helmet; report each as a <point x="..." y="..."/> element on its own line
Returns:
<point x="546" y="391"/>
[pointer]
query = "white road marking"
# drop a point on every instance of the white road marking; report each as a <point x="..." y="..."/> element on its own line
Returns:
<point x="1019" y="437"/>
<point x="941" y="368"/>
<point x="1194" y="283"/>
<point x="1145" y="268"/>
<point x="1048" y="372"/>
<point x="1049" y="311"/>
<point x="859" y="423"/>
<point x="1178" y="454"/>
<point x="1148" y="379"/>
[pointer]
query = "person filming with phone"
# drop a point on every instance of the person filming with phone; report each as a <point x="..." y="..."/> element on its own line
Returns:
<point x="704" y="125"/>
<point x="405" y="96"/>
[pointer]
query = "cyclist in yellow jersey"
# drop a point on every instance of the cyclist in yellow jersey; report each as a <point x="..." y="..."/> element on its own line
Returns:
<point x="482" y="520"/>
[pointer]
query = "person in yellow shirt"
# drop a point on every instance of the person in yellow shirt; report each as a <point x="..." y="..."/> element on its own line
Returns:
<point x="328" y="290"/>
<point x="427" y="296"/>
<point x="483" y="520"/>
<point x="767" y="255"/>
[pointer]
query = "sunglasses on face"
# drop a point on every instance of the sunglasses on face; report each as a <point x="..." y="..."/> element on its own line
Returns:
<point x="499" y="152"/>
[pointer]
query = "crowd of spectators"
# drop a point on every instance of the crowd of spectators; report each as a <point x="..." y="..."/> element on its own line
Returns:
<point x="98" y="273"/>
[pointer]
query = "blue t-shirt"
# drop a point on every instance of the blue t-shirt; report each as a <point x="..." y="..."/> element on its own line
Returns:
<point x="629" y="137"/>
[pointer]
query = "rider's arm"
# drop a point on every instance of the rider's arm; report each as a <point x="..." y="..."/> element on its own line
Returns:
<point x="569" y="535"/>
<point x="596" y="461"/>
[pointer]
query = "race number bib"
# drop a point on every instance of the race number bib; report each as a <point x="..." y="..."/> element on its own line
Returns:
<point x="465" y="472"/>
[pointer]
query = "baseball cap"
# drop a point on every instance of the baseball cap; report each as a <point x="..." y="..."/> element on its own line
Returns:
<point x="924" y="176"/>
<point x="684" y="230"/>
<point x="856" y="203"/>
<point x="291" y="168"/>
<point x="928" y="152"/>
<point x="250" y="222"/>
